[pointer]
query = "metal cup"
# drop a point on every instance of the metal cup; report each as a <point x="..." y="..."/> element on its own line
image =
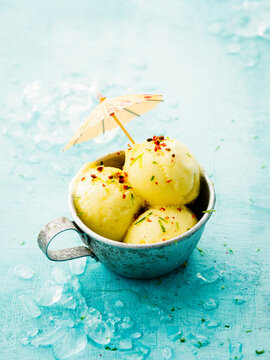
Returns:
<point x="130" y="260"/>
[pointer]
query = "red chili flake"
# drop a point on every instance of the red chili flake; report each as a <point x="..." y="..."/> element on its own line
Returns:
<point x="163" y="144"/>
<point x="168" y="149"/>
<point x="193" y="215"/>
<point x="172" y="222"/>
<point x="149" y="139"/>
<point x="124" y="196"/>
<point x="100" y="168"/>
<point x="110" y="177"/>
<point x="121" y="177"/>
<point x="149" y="220"/>
<point x="167" y="217"/>
<point x="162" y="209"/>
<point x="121" y="181"/>
<point x="125" y="173"/>
<point x="168" y="181"/>
<point x="103" y="185"/>
<point x="179" y="209"/>
<point x="163" y="239"/>
<point x="173" y="155"/>
<point x="118" y="153"/>
<point x="93" y="176"/>
<point x="155" y="137"/>
<point x="161" y="137"/>
<point x="156" y="182"/>
<point x="147" y="96"/>
<point x="131" y="158"/>
<point x="129" y="146"/>
<point x="125" y="187"/>
<point x="173" y="217"/>
<point x="83" y="178"/>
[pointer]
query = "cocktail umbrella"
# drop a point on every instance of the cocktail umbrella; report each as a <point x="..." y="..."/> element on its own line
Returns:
<point x="114" y="112"/>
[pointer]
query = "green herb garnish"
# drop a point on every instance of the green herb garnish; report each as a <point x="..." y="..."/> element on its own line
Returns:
<point x="132" y="196"/>
<point x="217" y="148"/>
<point x="161" y="218"/>
<point x="227" y="326"/>
<point x="258" y="250"/>
<point x="248" y="331"/>
<point x="177" y="225"/>
<point x="22" y="243"/>
<point x="152" y="177"/>
<point x="189" y="155"/>
<point x="161" y="225"/>
<point x="144" y="218"/>
<point x="182" y="339"/>
<point x="154" y="162"/>
<point x="208" y="211"/>
<point x="83" y="317"/>
<point x="80" y="213"/>
<point x="112" y="349"/>
<point x="173" y="309"/>
<point x="203" y="320"/>
<point x="159" y="281"/>
<point x="200" y="250"/>
<point x="259" y="352"/>
<point x="138" y="157"/>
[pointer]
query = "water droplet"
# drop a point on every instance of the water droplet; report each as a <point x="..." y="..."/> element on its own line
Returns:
<point x="235" y="350"/>
<point x="174" y="332"/>
<point x="210" y="304"/>
<point x="30" y="306"/>
<point x="239" y="300"/>
<point x="213" y="324"/>
<point x="209" y="275"/>
<point x="23" y="272"/>
<point x="167" y="353"/>
<point x="200" y="341"/>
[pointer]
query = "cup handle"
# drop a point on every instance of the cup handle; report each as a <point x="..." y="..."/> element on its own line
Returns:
<point x="51" y="230"/>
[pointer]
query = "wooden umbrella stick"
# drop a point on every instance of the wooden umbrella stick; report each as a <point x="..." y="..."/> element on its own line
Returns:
<point x="122" y="127"/>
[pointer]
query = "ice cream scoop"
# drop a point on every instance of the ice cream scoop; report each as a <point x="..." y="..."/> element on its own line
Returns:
<point x="104" y="200"/>
<point x="163" y="171"/>
<point x="160" y="224"/>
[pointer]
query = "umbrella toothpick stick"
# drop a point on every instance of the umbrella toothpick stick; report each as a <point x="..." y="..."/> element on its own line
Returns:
<point x="122" y="127"/>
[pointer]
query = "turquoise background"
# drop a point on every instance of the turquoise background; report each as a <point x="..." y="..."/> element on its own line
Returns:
<point x="210" y="60"/>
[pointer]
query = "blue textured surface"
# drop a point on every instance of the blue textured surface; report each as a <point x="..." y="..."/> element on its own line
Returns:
<point x="211" y="62"/>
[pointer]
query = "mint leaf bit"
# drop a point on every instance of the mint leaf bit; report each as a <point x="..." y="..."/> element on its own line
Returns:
<point x="141" y="220"/>
<point x="182" y="339"/>
<point x="189" y="155"/>
<point x="154" y="162"/>
<point x="200" y="250"/>
<point x="137" y="158"/>
<point x="161" y="218"/>
<point x="259" y="352"/>
<point x="152" y="177"/>
<point x="111" y="349"/>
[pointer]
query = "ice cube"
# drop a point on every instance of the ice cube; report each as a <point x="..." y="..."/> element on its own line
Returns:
<point x="126" y="323"/>
<point x="167" y="353"/>
<point x="30" y="306"/>
<point x="70" y="344"/>
<point x="60" y="275"/>
<point x="49" y="293"/>
<point x="77" y="266"/>
<point x="99" y="332"/>
<point x="49" y="337"/>
<point x="23" y="272"/>
<point x="68" y="301"/>
<point x="200" y="341"/>
<point x="59" y="321"/>
<point x="125" y="344"/>
<point x="136" y="335"/>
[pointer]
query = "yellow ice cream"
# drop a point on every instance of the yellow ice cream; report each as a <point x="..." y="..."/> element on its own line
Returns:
<point x="104" y="200"/>
<point x="160" y="224"/>
<point x="163" y="172"/>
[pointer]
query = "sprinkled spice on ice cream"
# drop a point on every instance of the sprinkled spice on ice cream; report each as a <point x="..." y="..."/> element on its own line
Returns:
<point x="163" y="171"/>
<point x="104" y="200"/>
<point x="160" y="224"/>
